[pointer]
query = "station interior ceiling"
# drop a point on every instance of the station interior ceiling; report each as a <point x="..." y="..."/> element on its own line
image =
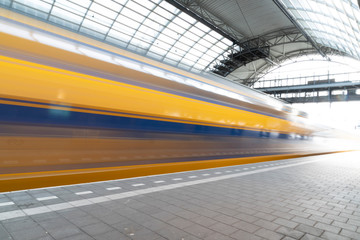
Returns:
<point x="238" y="39"/>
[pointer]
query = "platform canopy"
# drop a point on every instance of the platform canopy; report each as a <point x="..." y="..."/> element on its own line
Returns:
<point x="237" y="39"/>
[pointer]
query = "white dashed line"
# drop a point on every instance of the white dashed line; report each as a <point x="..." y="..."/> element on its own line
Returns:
<point x="177" y="179"/>
<point x="228" y="171"/>
<point x="246" y="168"/>
<point x="138" y="184"/>
<point x="192" y="177"/>
<point x="113" y="188"/>
<point x="83" y="193"/>
<point x="107" y="198"/>
<point x="46" y="198"/>
<point x="206" y="174"/>
<point x="160" y="181"/>
<point x="218" y="172"/>
<point x="6" y="204"/>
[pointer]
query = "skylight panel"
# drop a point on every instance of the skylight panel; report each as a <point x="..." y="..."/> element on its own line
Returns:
<point x="138" y="8"/>
<point x="153" y="28"/>
<point x="37" y="4"/>
<point x="166" y="39"/>
<point x="132" y="15"/>
<point x="180" y="22"/>
<point x="144" y="37"/>
<point x="176" y="28"/>
<point x="191" y="36"/>
<point x="119" y="35"/>
<point x="64" y="14"/>
<point x="140" y="42"/>
<point x="173" y="56"/>
<point x="198" y="32"/>
<point x="202" y="26"/>
<point x="163" y="13"/>
<point x="205" y="43"/>
<point x="169" y="7"/>
<point x="103" y="13"/>
<point x="182" y="46"/>
<point x="187" y="41"/>
<point x="152" y="24"/>
<point x="170" y="33"/>
<point x="210" y="39"/>
<point x="79" y="9"/>
<point x="129" y="28"/>
<point x="158" y="18"/>
<point x="149" y="31"/>
<point x="115" y="6"/>
<point x="95" y="26"/>
<point x="147" y="4"/>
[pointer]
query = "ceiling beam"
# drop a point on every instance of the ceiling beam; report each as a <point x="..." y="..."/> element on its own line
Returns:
<point x="297" y="25"/>
<point x="206" y="18"/>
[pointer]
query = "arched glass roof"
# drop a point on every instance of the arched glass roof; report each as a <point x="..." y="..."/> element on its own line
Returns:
<point x="152" y="28"/>
<point x="331" y="23"/>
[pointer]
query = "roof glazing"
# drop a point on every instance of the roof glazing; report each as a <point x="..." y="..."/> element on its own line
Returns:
<point x="152" y="28"/>
<point x="331" y="23"/>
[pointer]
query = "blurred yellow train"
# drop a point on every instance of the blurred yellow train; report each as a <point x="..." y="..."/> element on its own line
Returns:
<point x="75" y="110"/>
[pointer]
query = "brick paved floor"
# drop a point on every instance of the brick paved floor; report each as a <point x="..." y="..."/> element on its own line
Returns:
<point x="305" y="198"/>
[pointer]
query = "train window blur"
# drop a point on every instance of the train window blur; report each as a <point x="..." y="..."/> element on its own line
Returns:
<point x="96" y="54"/>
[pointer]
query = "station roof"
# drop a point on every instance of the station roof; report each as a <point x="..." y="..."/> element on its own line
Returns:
<point x="203" y="35"/>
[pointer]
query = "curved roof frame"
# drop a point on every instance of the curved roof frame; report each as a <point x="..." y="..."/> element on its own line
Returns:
<point x="264" y="69"/>
<point x="152" y="28"/>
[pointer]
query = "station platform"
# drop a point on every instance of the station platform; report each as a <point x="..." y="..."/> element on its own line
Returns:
<point x="304" y="198"/>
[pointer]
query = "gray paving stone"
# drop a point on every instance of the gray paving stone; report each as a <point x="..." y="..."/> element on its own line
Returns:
<point x="266" y="224"/>
<point x="283" y="215"/>
<point x="20" y="224"/>
<point x="180" y="222"/>
<point x="281" y="202"/>
<point x="155" y="225"/>
<point x="310" y="230"/>
<point x="63" y="231"/>
<point x="350" y="234"/>
<point x="286" y="223"/>
<point x="164" y="216"/>
<point x="321" y="219"/>
<point x="96" y="228"/>
<point x="143" y="234"/>
<point x="289" y="232"/>
<point x="199" y="231"/>
<point x="81" y="236"/>
<point x="311" y="237"/>
<point x="265" y="216"/>
<point x="223" y="228"/>
<point x="333" y="236"/>
<point x="29" y="234"/>
<point x="354" y="222"/>
<point x="249" y="227"/>
<point x="246" y="217"/>
<point x="268" y="234"/>
<point x="226" y="219"/>
<point x="172" y="233"/>
<point x="244" y="235"/>
<point x="327" y="227"/>
<point x="3" y="233"/>
<point x="304" y="221"/>
<point x="300" y="213"/>
<point x="344" y="226"/>
<point x="288" y="238"/>
<point x="218" y="236"/>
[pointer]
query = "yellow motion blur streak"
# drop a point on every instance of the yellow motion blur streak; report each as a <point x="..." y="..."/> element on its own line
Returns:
<point x="22" y="79"/>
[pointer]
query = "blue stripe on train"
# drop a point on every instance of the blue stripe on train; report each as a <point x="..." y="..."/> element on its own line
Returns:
<point x="63" y="118"/>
